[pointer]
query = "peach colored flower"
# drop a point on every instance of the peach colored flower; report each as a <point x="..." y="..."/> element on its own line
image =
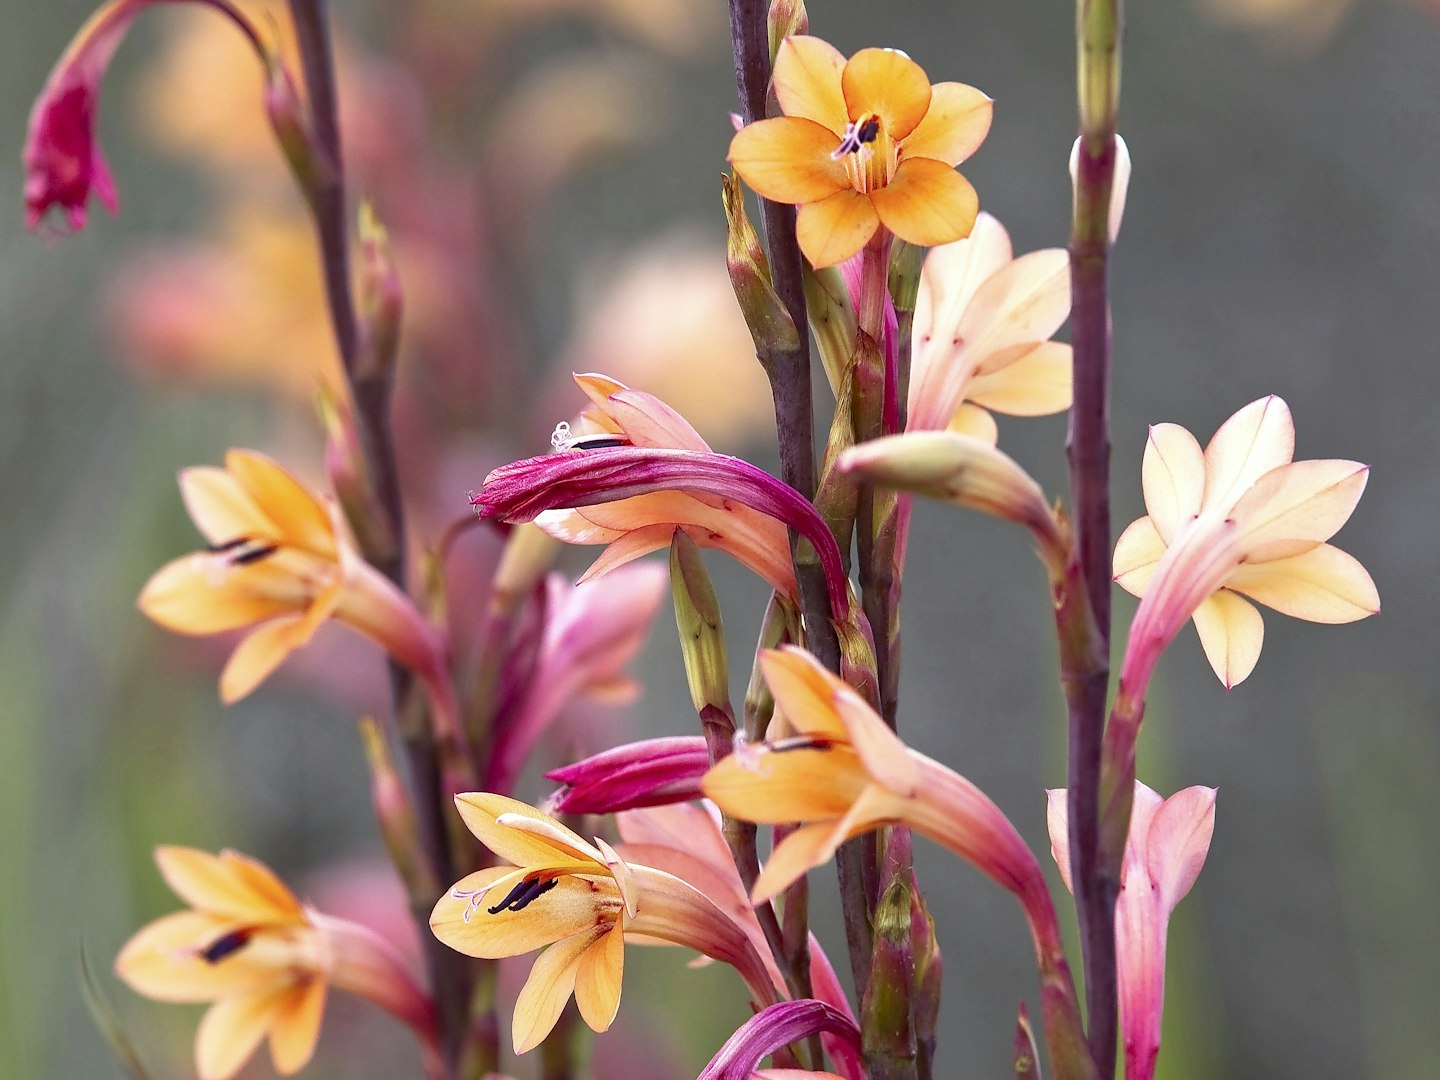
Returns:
<point x="864" y="142"/>
<point x="1237" y="519"/>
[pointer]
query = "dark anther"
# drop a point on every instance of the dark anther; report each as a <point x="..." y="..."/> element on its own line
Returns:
<point x="867" y="131"/>
<point x="228" y="545"/>
<point x="522" y="895"/>
<point x="800" y="742"/>
<point x="254" y="555"/>
<point x="597" y="442"/>
<point x="225" y="945"/>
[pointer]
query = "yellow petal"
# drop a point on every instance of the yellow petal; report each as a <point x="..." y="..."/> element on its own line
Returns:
<point x="631" y="546"/>
<point x="885" y="757"/>
<point x="598" y="980"/>
<point x="1231" y="632"/>
<point x="546" y="991"/>
<point x="889" y="84"/>
<point x="1022" y="303"/>
<point x="1323" y="585"/>
<point x="788" y="159"/>
<point x="262" y="651"/>
<point x="791" y="858"/>
<point x="1137" y="556"/>
<point x="221" y="508"/>
<point x="301" y="518"/>
<point x="297" y="1027"/>
<point x="953" y="273"/>
<point x="162" y="961"/>
<point x="1038" y="382"/>
<point x="954" y="126"/>
<point x="975" y="422"/>
<point x="202" y="594"/>
<point x="571" y="906"/>
<point x="807" y="81"/>
<point x="232" y="1029"/>
<point x="481" y="811"/>
<point x="624" y="880"/>
<point x="1291" y="509"/>
<point x="805" y="691"/>
<point x="773" y="787"/>
<point x="836" y="227"/>
<point x="1258" y="438"/>
<point x="230" y="885"/>
<point x="927" y="202"/>
<point x="1172" y="475"/>
<point x="648" y="421"/>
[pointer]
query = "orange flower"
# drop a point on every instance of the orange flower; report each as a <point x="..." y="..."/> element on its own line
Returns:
<point x="864" y="143"/>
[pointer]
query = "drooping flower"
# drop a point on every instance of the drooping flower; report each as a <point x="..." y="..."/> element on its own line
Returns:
<point x="981" y="334"/>
<point x="772" y="1029"/>
<point x="279" y="559"/>
<point x="64" y="164"/>
<point x="633" y="471"/>
<point x="1237" y="519"/>
<point x="264" y="959"/>
<point x="1164" y="851"/>
<point x="581" y="900"/>
<point x="864" y="143"/>
<point x="844" y="773"/>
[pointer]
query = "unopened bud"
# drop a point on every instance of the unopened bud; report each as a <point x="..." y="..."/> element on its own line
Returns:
<point x="770" y="324"/>
<point x="653" y="772"/>
<point x="885" y="1021"/>
<point x="395" y="812"/>
<point x="350" y="479"/>
<point x="832" y="319"/>
<point x="786" y="17"/>
<point x="964" y="470"/>
<point x="529" y="554"/>
<point x="381" y="299"/>
<point x="702" y="637"/>
<point x="290" y="120"/>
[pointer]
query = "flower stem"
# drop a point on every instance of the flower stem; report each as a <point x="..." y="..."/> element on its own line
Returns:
<point x="1098" y="29"/>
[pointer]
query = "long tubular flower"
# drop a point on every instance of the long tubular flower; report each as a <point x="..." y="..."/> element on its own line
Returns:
<point x="278" y="559"/>
<point x="643" y="472"/>
<point x="845" y="773"/>
<point x="864" y="142"/>
<point x="264" y="960"/>
<point x="771" y="1029"/>
<point x="652" y="772"/>
<point x="582" y="900"/>
<point x="64" y="164"/>
<point x="1166" y="848"/>
<point x="1237" y="519"/>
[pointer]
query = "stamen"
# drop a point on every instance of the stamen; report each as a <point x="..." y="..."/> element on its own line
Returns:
<point x="523" y="895"/>
<point x="800" y="742"/>
<point x="254" y="555"/>
<point x="562" y="439"/>
<point x="857" y="134"/>
<point x="244" y="550"/>
<point x="226" y="945"/>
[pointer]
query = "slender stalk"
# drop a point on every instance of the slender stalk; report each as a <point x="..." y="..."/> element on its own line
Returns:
<point x="789" y="373"/>
<point x="1098" y="29"/>
<point x="370" y="386"/>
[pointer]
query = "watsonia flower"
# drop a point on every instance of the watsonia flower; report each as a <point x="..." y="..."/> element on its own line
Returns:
<point x="579" y="901"/>
<point x="864" y="143"/>
<point x="277" y="558"/>
<point x="265" y="960"/>
<point x="1238" y="519"/>
<point x="1164" y="852"/>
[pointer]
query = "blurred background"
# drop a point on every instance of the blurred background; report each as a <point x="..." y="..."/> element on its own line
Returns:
<point x="550" y="172"/>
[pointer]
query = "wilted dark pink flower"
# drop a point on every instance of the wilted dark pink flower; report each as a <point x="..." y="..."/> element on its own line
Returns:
<point x="772" y="1028"/>
<point x="651" y="772"/>
<point x="63" y="160"/>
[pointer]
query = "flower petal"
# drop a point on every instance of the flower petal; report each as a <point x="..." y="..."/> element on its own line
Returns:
<point x="792" y="857"/>
<point x="598" y="980"/>
<point x="200" y="593"/>
<point x="262" y="651"/>
<point x="788" y="159"/>
<point x="1258" y="438"/>
<point x="297" y="1027"/>
<point x="836" y="227"/>
<point x="807" y="81"/>
<point x="221" y="508"/>
<point x="546" y="991"/>
<point x="954" y="126"/>
<point x="1137" y="556"/>
<point x="971" y="420"/>
<point x="1038" y="382"/>
<point x="885" y="757"/>
<point x="1057" y="823"/>
<point x="1177" y="842"/>
<point x="927" y="202"/>
<point x="1231" y="632"/>
<point x="891" y="85"/>
<point x="1291" y="509"/>
<point x="302" y="520"/>
<point x="481" y="811"/>
<point x="1172" y="475"/>
<point x="232" y="1029"/>
<point x="1022" y="303"/>
<point x="650" y="422"/>
<point x="230" y="885"/>
<point x="163" y="961"/>
<point x="1323" y="585"/>
<point x="571" y="906"/>
<point x="792" y="784"/>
